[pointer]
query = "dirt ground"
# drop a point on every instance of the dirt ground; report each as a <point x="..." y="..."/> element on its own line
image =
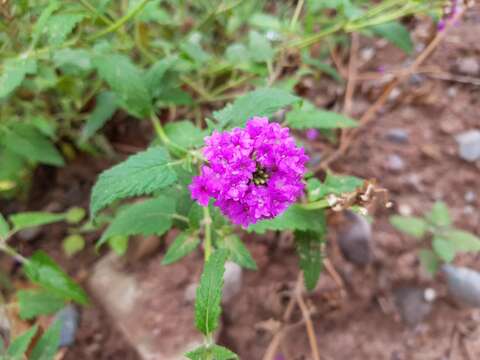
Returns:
<point x="363" y="322"/>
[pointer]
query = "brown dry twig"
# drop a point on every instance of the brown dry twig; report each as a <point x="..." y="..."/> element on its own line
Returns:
<point x="370" y="113"/>
<point x="312" y="338"/>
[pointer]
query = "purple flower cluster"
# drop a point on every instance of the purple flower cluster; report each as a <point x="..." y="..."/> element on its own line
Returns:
<point x="253" y="173"/>
<point x="451" y="10"/>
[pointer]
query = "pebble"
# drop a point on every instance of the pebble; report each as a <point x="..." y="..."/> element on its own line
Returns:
<point x="470" y="196"/>
<point x="29" y="234"/>
<point x="190" y="292"/>
<point x="468" y="66"/>
<point x="232" y="280"/>
<point x="367" y="54"/>
<point x="69" y="317"/>
<point x="469" y="145"/>
<point x="397" y="135"/>
<point x="355" y="239"/>
<point x="412" y="304"/>
<point x="395" y="163"/>
<point x="463" y="284"/>
<point x="405" y="210"/>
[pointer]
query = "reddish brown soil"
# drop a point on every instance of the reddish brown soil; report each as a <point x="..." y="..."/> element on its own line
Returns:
<point x="355" y="326"/>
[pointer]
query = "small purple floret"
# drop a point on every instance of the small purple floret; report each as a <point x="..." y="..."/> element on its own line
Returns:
<point x="312" y="134"/>
<point x="253" y="173"/>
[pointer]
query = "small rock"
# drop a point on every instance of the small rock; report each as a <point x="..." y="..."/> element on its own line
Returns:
<point x="367" y="54"/>
<point x="397" y="135"/>
<point x="469" y="145"/>
<point x="232" y="281"/>
<point x="29" y="234"/>
<point x="470" y="196"/>
<point x="463" y="284"/>
<point x="412" y="304"/>
<point x="468" y="66"/>
<point x="69" y="318"/>
<point x="354" y="239"/>
<point x="395" y="163"/>
<point x="190" y="293"/>
<point x="452" y="91"/>
<point x="405" y="209"/>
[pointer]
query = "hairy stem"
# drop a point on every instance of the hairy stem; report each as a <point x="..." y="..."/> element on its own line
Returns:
<point x="207" y="241"/>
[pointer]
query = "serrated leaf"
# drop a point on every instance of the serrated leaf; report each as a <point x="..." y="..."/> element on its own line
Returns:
<point x="47" y="346"/>
<point x="294" y="218"/>
<point x="19" y="346"/>
<point x="238" y="251"/>
<point x="150" y="217"/>
<point x="105" y="106"/>
<point x="259" y="48"/>
<point x="72" y="244"/>
<point x="185" y="134"/>
<point x="261" y="102"/>
<point x="183" y="245"/>
<point x="4" y="227"/>
<point x="34" y="218"/>
<point x="73" y="61"/>
<point x="43" y="271"/>
<point x="195" y="52"/>
<point x="429" y="261"/>
<point x="236" y="53"/>
<point x="333" y="184"/>
<point x="318" y="119"/>
<point x="38" y="302"/>
<point x="27" y="141"/>
<point x="396" y="33"/>
<point x="45" y="15"/>
<point x="444" y="249"/>
<point x="60" y="26"/>
<point x="213" y="352"/>
<point x="309" y="249"/>
<point x="463" y="241"/>
<point x="127" y="82"/>
<point x="439" y="215"/>
<point x="154" y="77"/>
<point x="209" y="293"/>
<point x="410" y="225"/>
<point x="14" y="72"/>
<point x="140" y="174"/>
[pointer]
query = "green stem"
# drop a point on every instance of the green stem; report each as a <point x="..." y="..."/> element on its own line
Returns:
<point x="296" y="14"/>
<point x="7" y="249"/>
<point x="320" y="204"/>
<point x="94" y="11"/>
<point x="120" y="22"/>
<point x="207" y="241"/>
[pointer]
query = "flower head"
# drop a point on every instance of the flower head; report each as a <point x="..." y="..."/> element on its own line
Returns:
<point x="253" y="173"/>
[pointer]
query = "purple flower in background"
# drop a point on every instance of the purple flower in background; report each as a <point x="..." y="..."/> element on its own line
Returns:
<point x="312" y="134"/>
<point x="253" y="173"/>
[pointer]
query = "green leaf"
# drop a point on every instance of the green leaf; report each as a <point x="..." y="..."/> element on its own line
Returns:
<point x="185" y="134"/>
<point x="429" y="261"/>
<point x="309" y="249"/>
<point x="19" y="346"/>
<point x="150" y="217"/>
<point x="105" y="107"/>
<point x="14" y="72"/>
<point x="333" y="184"/>
<point x="47" y="346"/>
<point x="195" y="52"/>
<point x="155" y="76"/>
<point x="140" y="174"/>
<point x="444" y="249"/>
<point x="238" y="251"/>
<point x="127" y="82"/>
<point x="209" y="293"/>
<point x="259" y="47"/>
<point x="60" y="26"/>
<point x="410" y="225"/>
<point x="213" y="352"/>
<point x="37" y="302"/>
<point x="27" y="141"/>
<point x="39" y="27"/>
<point x="35" y="218"/>
<point x="463" y="241"/>
<point x="119" y="244"/>
<point x="73" y="61"/>
<point x="4" y="227"/>
<point x="439" y="215"/>
<point x="43" y="271"/>
<point x="183" y="245"/>
<point x="318" y="119"/>
<point x="72" y="244"/>
<point x="237" y="54"/>
<point x="294" y="218"/>
<point x="261" y="102"/>
<point x="396" y="33"/>
<point x="322" y="66"/>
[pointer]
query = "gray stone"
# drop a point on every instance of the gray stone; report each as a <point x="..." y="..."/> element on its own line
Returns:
<point x="30" y="234"/>
<point x="413" y="304"/>
<point x="469" y="145"/>
<point x="69" y="318"/>
<point x="468" y="66"/>
<point x="397" y="135"/>
<point x="232" y="280"/>
<point x="470" y="196"/>
<point x="395" y="163"/>
<point x="463" y="284"/>
<point x="354" y="239"/>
